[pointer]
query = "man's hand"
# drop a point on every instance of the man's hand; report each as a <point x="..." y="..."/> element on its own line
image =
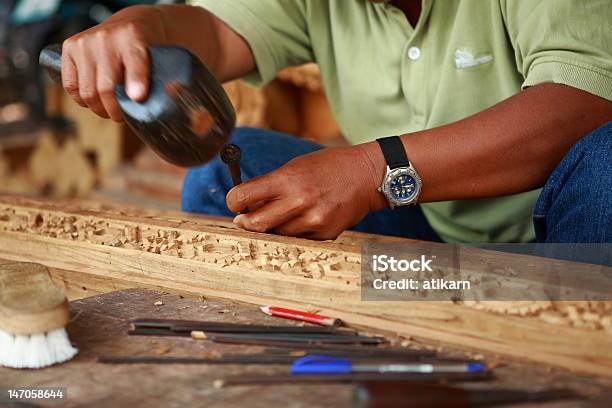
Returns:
<point x="115" y="52"/>
<point x="316" y="196"/>
<point x="94" y="61"/>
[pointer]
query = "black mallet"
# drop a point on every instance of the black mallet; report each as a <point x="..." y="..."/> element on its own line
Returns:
<point x="187" y="116"/>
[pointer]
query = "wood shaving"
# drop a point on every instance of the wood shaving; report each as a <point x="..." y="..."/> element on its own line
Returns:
<point x="161" y="350"/>
<point x="587" y="315"/>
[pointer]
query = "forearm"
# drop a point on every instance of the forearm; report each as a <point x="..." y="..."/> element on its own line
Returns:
<point x="220" y="48"/>
<point x="510" y="148"/>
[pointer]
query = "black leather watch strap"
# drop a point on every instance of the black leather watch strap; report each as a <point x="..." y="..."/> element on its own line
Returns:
<point x="394" y="152"/>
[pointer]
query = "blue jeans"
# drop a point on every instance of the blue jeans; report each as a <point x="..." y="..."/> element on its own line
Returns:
<point x="574" y="206"/>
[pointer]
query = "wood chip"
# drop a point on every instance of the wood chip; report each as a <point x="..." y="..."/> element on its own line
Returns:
<point x="161" y="350"/>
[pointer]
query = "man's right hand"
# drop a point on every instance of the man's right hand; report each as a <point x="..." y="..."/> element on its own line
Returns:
<point x="116" y="51"/>
<point x="113" y="52"/>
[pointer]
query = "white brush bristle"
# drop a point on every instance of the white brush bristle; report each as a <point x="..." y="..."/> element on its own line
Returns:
<point x="35" y="351"/>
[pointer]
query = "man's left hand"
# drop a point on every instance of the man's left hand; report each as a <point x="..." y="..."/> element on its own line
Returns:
<point x="315" y="196"/>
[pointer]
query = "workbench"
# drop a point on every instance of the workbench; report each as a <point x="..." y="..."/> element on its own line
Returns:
<point x="99" y="328"/>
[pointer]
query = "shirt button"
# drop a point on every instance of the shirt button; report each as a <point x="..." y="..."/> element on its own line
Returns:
<point x="414" y="53"/>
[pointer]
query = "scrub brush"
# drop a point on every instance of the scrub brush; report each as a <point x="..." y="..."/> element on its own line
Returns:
<point x="33" y="316"/>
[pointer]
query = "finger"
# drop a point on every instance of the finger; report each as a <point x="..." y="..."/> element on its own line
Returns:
<point x="253" y="207"/>
<point x="136" y="63"/>
<point x="298" y="227"/>
<point x="70" y="79"/>
<point x="312" y="226"/>
<point x="109" y="74"/>
<point x="268" y="216"/>
<point x="248" y="194"/>
<point x="86" y="71"/>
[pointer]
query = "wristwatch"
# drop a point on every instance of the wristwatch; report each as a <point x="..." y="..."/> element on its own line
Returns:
<point x="401" y="184"/>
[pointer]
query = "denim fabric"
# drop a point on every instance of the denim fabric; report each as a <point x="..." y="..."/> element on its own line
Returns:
<point x="576" y="202"/>
<point x="263" y="151"/>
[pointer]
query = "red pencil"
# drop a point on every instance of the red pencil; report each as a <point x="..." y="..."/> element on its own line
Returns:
<point x="301" y="316"/>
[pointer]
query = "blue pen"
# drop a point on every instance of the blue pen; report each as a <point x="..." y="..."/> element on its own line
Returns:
<point x="323" y="364"/>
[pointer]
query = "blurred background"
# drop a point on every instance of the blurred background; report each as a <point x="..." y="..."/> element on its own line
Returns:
<point x="50" y="146"/>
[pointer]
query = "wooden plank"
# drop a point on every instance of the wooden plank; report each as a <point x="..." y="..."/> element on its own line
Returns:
<point x="209" y="256"/>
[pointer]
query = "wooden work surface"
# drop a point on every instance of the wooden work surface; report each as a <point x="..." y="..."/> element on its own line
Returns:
<point x="99" y="327"/>
<point x="105" y="247"/>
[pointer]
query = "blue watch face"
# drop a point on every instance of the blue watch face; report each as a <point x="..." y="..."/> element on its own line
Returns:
<point x="402" y="187"/>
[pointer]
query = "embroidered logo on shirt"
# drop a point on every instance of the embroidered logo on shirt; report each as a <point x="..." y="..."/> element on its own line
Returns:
<point x="464" y="58"/>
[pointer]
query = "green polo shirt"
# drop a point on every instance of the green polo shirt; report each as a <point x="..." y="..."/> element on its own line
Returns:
<point x="384" y="77"/>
